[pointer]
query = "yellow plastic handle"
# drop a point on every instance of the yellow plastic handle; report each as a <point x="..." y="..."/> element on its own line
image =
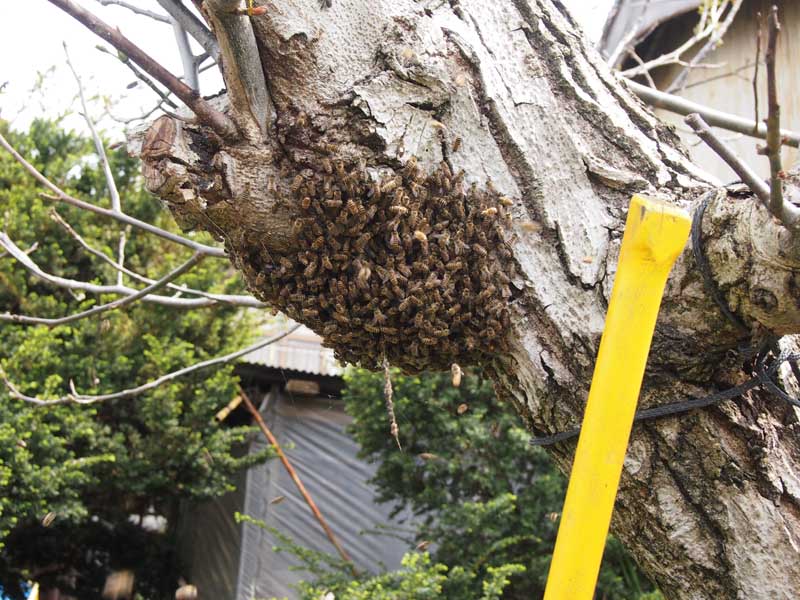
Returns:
<point x="655" y="234"/>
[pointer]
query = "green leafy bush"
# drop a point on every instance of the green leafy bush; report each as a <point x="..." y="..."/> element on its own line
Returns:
<point x="90" y="468"/>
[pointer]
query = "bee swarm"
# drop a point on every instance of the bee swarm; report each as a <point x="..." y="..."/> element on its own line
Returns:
<point x="406" y="264"/>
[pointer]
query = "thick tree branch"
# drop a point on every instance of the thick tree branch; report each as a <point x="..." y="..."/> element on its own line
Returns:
<point x="76" y="398"/>
<point x="62" y="196"/>
<point x="242" y="69"/>
<point x="218" y="121"/>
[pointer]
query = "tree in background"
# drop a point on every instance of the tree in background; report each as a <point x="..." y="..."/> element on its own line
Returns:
<point x="484" y="498"/>
<point x="79" y="483"/>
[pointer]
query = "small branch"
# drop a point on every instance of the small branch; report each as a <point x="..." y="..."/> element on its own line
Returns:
<point x="231" y="299"/>
<point x="113" y="192"/>
<point x="218" y="121"/>
<point x="190" y="73"/>
<point x="193" y="26"/>
<point x="6" y="242"/>
<point x="299" y="484"/>
<point x="745" y="173"/>
<point x="755" y="71"/>
<point x="136" y="9"/>
<point x="680" y="81"/>
<point x="140" y="76"/>
<point x="788" y="214"/>
<point x="62" y="196"/>
<point x="777" y="204"/>
<point x="713" y="117"/>
<point x="74" y="398"/>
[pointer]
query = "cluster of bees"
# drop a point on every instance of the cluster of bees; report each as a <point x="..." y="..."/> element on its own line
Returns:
<point x="407" y="265"/>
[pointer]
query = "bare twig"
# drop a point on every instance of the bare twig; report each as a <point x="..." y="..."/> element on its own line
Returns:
<point x="190" y="74"/>
<point x="787" y="214"/>
<point x="713" y="117"/>
<point x="747" y="175"/>
<point x="123" y="58"/>
<point x="111" y="184"/>
<point x="6" y="242"/>
<point x="74" y="398"/>
<point x="139" y="11"/>
<point x="719" y="32"/>
<point x="774" y="118"/>
<point x="193" y="26"/>
<point x="387" y="395"/>
<point x="708" y="25"/>
<point x="298" y="483"/>
<point x="755" y="71"/>
<point x="62" y="196"/>
<point x="218" y="121"/>
<point x="231" y="299"/>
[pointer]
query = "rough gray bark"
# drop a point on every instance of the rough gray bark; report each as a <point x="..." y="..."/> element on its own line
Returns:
<point x="490" y="156"/>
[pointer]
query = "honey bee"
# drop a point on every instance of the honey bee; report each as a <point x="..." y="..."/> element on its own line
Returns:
<point x="456" y="144"/>
<point x="327" y="166"/>
<point x="297" y="183"/>
<point x="489" y="212"/>
<point x="479" y="249"/>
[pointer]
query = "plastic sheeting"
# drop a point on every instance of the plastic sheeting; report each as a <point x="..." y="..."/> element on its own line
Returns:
<point x="312" y="433"/>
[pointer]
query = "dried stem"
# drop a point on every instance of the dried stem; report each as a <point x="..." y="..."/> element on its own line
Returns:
<point x="75" y="398"/>
<point x="387" y="394"/>
<point x="218" y="121"/>
<point x="713" y="41"/>
<point x="293" y="474"/>
<point x="755" y="71"/>
<point x="62" y="196"/>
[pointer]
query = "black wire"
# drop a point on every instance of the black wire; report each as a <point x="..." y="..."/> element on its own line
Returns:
<point x="763" y="373"/>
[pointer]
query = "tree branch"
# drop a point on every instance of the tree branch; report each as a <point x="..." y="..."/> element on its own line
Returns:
<point x="75" y="398"/>
<point x="218" y="121"/>
<point x="139" y="75"/>
<point x="711" y="116"/>
<point x="231" y="299"/>
<point x="139" y="11"/>
<point x="193" y="26"/>
<point x="787" y="214"/>
<point x="9" y="246"/>
<point x="188" y="61"/>
<point x="242" y="68"/>
<point x="62" y="196"/>
<point x="777" y="206"/>
<point x="680" y="80"/>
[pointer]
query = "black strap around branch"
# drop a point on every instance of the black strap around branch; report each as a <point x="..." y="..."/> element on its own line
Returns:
<point x="768" y="359"/>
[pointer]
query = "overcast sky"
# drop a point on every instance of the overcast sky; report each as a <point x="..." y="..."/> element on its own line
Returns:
<point x="32" y="33"/>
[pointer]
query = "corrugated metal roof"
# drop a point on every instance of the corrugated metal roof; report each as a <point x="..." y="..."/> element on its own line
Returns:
<point x="300" y="351"/>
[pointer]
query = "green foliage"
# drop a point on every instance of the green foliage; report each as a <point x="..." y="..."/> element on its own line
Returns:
<point x="417" y="578"/>
<point x="485" y="498"/>
<point x="93" y="466"/>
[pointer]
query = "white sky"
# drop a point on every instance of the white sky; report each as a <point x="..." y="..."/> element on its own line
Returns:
<point x="31" y="37"/>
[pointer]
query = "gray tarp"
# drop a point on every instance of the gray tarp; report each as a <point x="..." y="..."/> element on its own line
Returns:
<point x="312" y="433"/>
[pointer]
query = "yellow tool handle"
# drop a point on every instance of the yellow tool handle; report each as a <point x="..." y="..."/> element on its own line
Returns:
<point x="655" y="234"/>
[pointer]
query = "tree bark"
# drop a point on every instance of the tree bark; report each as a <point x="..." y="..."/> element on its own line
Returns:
<point x="489" y="156"/>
